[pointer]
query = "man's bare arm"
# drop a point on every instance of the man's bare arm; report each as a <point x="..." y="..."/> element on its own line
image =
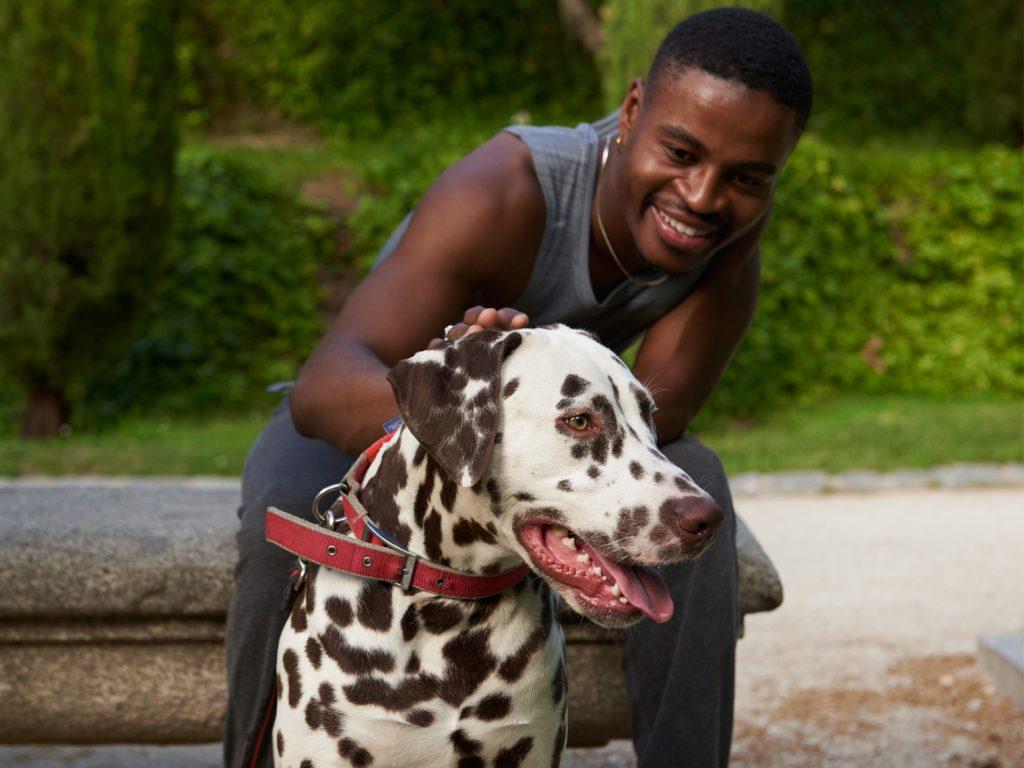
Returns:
<point x="685" y="353"/>
<point x="471" y="229"/>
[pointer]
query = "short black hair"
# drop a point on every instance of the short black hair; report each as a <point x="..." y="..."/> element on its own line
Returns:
<point x="741" y="46"/>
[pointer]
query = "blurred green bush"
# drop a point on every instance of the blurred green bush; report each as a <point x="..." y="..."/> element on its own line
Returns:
<point x="916" y="69"/>
<point x="87" y="143"/>
<point x="886" y="272"/>
<point x="238" y="308"/>
<point x="358" y="66"/>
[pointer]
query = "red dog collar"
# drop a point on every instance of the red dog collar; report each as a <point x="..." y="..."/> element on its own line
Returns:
<point x="368" y="552"/>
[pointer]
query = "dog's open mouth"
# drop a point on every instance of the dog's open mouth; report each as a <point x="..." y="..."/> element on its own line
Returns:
<point x="605" y="587"/>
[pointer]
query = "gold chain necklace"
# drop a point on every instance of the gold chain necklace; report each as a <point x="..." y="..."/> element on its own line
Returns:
<point x="608" y="243"/>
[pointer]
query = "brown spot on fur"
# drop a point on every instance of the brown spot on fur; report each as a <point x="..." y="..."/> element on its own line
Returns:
<point x="314" y="652"/>
<point x="524" y="496"/>
<point x="354" y="753"/>
<point x="420" y="717"/>
<point x="644" y="403"/>
<point x="395" y="698"/>
<point x="484" y="607"/>
<point x="513" y="756"/>
<point x="512" y="668"/>
<point x="565" y="485"/>
<point x="438" y="617"/>
<point x="412" y="666"/>
<point x="510" y="388"/>
<point x="636" y="470"/>
<point x="469" y="662"/>
<point x="683" y="484"/>
<point x="298" y="616"/>
<point x="280" y="688"/>
<point x="432" y="535"/>
<point x="321" y="714"/>
<point x="492" y="707"/>
<point x="311" y="576"/>
<point x="466" y="532"/>
<point x="291" y="667"/>
<point x="470" y="761"/>
<point x="449" y="490"/>
<point x="374" y="608"/>
<point x="463" y="744"/>
<point x="410" y="623"/>
<point x="379" y="494"/>
<point x="495" y="494"/>
<point x="307" y="763"/>
<point x="280" y="744"/>
<point x="659" y="534"/>
<point x="593" y="471"/>
<point x="631" y="520"/>
<point x="573" y="385"/>
<point x="352" y="659"/>
<point x="423" y="493"/>
<point x="658" y="477"/>
<point x="339" y="610"/>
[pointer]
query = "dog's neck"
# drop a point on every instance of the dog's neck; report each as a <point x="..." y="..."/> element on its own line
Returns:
<point x="413" y="500"/>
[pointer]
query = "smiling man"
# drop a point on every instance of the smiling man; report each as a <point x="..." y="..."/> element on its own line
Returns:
<point x="647" y="221"/>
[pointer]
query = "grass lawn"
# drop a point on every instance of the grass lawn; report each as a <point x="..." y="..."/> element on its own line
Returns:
<point x="849" y="433"/>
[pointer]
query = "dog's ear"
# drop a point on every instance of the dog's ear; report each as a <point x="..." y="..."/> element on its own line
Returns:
<point x="449" y="399"/>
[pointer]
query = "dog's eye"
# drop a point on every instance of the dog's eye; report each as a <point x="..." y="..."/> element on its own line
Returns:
<point x="578" y="421"/>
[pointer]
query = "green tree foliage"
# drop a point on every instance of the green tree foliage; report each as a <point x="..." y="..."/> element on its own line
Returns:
<point x="238" y="308"/>
<point x="360" y="65"/>
<point x="87" y="142"/>
<point x="914" y="67"/>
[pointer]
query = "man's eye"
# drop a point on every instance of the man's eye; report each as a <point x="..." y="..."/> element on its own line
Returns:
<point x="680" y="154"/>
<point x="749" y="181"/>
<point x="579" y="422"/>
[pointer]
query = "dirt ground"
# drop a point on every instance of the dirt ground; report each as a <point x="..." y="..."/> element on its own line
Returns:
<point x="871" y="661"/>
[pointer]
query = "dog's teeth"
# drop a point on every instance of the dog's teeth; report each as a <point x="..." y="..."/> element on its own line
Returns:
<point x="559" y="531"/>
<point x="597" y="570"/>
<point x="569" y="542"/>
<point x="624" y="601"/>
<point x="616" y="591"/>
<point x="583" y="557"/>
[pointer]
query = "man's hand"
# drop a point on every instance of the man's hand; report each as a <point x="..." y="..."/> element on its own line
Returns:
<point x="479" y="318"/>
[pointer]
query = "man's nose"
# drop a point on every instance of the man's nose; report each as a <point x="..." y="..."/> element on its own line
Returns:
<point x="693" y="518"/>
<point x="700" y="190"/>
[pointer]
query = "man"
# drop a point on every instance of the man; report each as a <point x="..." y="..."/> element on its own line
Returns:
<point x="646" y="220"/>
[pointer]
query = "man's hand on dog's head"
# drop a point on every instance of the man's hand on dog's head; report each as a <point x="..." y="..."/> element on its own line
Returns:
<point x="480" y="318"/>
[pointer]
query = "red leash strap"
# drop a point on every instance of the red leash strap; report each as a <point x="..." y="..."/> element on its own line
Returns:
<point x="338" y="551"/>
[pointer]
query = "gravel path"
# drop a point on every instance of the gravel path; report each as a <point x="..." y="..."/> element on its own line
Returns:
<point x="870" y="661"/>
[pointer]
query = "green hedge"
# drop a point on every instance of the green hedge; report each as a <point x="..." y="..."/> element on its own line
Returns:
<point x="358" y="65"/>
<point x="87" y="143"/>
<point x="237" y="311"/>
<point x="886" y="273"/>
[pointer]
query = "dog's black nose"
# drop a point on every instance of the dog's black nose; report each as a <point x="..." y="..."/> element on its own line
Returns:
<point x="692" y="518"/>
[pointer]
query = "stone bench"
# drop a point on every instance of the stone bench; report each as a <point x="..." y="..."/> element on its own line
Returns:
<point x="113" y="596"/>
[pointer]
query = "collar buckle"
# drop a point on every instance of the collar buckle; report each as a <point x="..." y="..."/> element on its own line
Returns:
<point x="407" y="572"/>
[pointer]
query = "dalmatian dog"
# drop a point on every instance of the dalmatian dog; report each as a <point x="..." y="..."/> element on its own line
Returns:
<point x="532" y="446"/>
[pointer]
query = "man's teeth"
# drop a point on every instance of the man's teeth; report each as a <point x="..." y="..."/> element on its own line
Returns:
<point x="683" y="229"/>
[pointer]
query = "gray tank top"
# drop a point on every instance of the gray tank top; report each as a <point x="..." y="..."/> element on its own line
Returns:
<point x="559" y="289"/>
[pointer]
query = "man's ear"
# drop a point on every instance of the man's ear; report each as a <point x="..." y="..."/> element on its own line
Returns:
<point x="449" y="399"/>
<point x="631" y="107"/>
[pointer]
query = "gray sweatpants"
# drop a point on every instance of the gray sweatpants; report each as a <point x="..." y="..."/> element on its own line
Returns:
<point x="680" y="674"/>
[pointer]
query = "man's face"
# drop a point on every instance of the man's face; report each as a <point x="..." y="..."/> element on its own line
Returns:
<point x="702" y="156"/>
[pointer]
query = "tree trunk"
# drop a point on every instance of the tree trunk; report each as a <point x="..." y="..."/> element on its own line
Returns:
<point x="43" y="414"/>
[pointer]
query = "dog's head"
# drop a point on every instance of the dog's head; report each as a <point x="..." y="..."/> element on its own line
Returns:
<point x="554" y="428"/>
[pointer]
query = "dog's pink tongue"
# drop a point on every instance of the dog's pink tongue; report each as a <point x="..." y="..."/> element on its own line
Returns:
<point x="642" y="586"/>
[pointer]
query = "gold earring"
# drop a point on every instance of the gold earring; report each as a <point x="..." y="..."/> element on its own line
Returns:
<point x="618" y="139"/>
